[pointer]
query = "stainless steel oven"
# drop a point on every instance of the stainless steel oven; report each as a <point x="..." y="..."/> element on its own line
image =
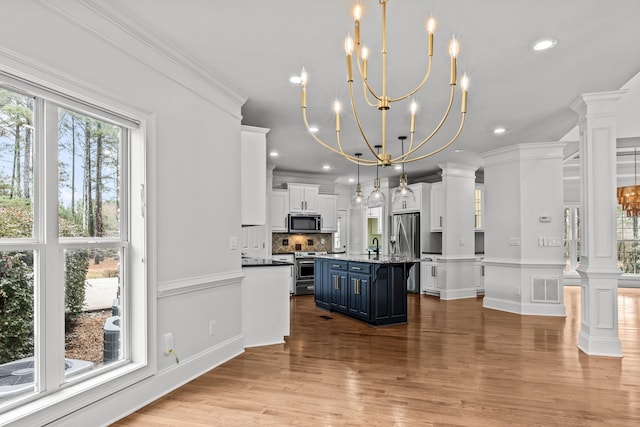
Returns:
<point x="305" y="272"/>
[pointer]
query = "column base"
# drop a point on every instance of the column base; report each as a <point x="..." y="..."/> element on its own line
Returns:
<point x="599" y="346"/>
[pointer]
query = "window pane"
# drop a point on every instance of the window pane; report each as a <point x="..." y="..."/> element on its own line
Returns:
<point x="16" y="165"/>
<point x="93" y="309"/>
<point x="89" y="176"/>
<point x="17" y="371"/>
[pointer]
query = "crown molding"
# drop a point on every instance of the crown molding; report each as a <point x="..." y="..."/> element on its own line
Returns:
<point x="121" y="29"/>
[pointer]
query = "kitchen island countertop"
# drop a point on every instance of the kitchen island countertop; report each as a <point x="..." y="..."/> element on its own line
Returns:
<point x="377" y="259"/>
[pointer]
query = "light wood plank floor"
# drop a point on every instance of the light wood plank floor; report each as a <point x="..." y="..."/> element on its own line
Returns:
<point x="454" y="363"/>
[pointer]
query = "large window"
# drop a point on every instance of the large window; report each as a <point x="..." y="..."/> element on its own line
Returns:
<point x="628" y="243"/>
<point x="66" y="227"/>
<point x="628" y="238"/>
<point x="571" y="238"/>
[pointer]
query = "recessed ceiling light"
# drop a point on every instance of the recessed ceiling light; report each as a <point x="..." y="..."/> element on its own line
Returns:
<point x="499" y="130"/>
<point x="326" y="167"/>
<point x="295" y="80"/>
<point x="397" y="167"/>
<point x="352" y="180"/>
<point x="544" y="44"/>
<point x="273" y="154"/>
<point x="458" y="150"/>
<point x="313" y="129"/>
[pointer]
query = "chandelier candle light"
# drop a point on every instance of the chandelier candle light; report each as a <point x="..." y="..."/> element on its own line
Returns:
<point x="382" y="101"/>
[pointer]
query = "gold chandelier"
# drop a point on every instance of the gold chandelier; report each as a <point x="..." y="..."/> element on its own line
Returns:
<point x="629" y="197"/>
<point x="382" y="101"/>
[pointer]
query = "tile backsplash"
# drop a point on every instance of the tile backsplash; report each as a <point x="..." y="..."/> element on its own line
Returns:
<point x="282" y="243"/>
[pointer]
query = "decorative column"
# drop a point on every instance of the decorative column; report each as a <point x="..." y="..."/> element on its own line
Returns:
<point x="458" y="231"/>
<point x="523" y="229"/>
<point x="598" y="268"/>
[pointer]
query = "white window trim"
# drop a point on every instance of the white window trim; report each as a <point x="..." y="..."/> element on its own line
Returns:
<point x="43" y="408"/>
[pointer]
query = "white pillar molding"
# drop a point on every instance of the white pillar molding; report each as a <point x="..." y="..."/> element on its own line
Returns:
<point x="598" y="268"/>
<point x="458" y="230"/>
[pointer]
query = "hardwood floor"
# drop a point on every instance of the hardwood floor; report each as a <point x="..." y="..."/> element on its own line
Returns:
<point x="454" y="363"/>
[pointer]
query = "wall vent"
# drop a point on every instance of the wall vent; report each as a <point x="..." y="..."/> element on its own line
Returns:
<point x="545" y="289"/>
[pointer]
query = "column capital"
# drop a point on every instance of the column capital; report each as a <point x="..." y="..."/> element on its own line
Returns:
<point x="597" y="102"/>
<point x="458" y="169"/>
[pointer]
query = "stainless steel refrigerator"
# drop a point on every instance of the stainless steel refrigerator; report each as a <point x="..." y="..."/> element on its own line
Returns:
<point x="404" y="239"/>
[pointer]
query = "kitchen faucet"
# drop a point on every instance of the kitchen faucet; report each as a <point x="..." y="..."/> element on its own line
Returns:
<point x="375" y="240"/>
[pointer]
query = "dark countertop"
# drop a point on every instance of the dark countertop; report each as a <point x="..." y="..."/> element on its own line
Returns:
<point x="262" y="262"/>
<point x="381" y="259"/>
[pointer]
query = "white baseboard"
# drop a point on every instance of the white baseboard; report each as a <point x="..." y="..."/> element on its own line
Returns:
<point x="122" y="403"/>
<point x="540" y="309"/>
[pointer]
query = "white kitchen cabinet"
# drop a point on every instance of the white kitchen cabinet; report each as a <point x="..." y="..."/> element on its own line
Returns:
<point x="265" y="300"/>
<point x="479" y="276"/>
<point x="292" y="273"/>
<point x="279" y="210"/>
<point x="253" y="175"/>
<point x="329" y="212"/>
<point x="431" y="277"/>
<point x="437" y="206"/>
<point x="479" y="208"/>
<point x="402" y="206"/>
<point x="303" y="198"/>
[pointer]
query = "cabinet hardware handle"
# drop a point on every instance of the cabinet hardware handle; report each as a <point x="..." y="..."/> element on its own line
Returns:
<point x="335" y="266"/>
<point x="441" y="221"/>
<point x="433" y="270"/>
<point x="335" y="282"/>
<point x="356" y="268"/>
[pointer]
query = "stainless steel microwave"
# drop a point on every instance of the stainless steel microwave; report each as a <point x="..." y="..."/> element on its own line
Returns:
<point x="299" y="223"/>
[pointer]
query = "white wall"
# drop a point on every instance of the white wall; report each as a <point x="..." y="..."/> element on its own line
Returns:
<point x="192" y="149"/>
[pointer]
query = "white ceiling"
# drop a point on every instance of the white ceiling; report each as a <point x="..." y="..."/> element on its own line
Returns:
<point x="257" y="45"/>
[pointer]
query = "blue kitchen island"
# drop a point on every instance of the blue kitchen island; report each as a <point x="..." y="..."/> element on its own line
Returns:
<point x="368" y="288"/>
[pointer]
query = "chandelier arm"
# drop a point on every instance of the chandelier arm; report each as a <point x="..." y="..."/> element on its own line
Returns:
<point x="330" y="148"/>
<point x="424" y="156"/>
<point x="365" y="89"/>
<point x="404" y="156"/>
<point x="365" y="85"/>
<point x="437" y="128"/>
<point x="355" y="115"/>
<point x="424" y="80"/>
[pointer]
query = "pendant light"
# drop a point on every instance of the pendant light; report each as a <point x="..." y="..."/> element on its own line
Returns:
<point x="377" y="197"/>
<point x="402" y="193"/>
<point x="357" y="201"/>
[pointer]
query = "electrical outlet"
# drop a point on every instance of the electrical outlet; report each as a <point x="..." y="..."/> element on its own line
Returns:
<point x="168" y="343"/>
<point x="212" y="327"/>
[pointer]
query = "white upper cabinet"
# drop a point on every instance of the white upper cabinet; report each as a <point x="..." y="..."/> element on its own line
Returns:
<point x="303" y="198"/>
<point x="329" y="212"/>
<point x="415" y="205"/>
<point x="253" y="175"/>
<point x="437" y="206"/>
<point x="279" y="210"/>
